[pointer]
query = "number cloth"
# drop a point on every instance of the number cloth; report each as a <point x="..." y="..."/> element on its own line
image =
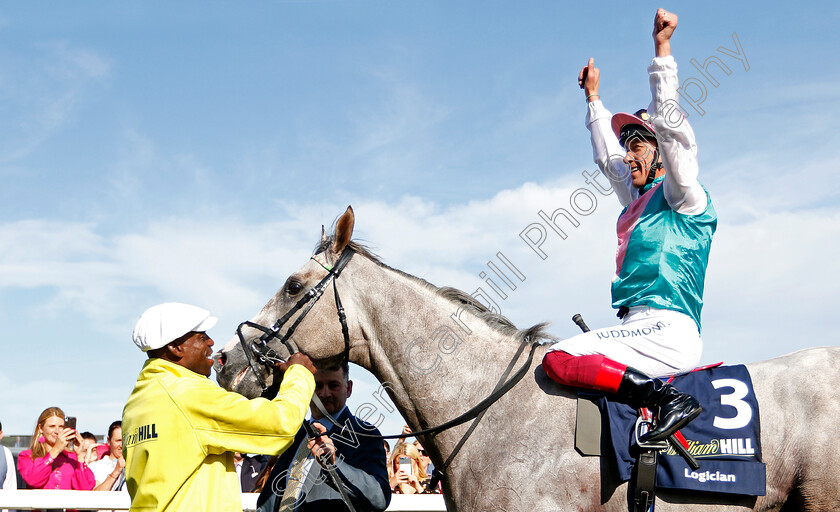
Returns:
<point x="725" y="439"/>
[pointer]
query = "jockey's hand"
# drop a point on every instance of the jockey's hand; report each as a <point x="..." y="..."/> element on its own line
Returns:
<point x="664" y="25"/>
<point x="298" y="358"/>
<point x="322" y="447"/>
<point x="588" y="79"/>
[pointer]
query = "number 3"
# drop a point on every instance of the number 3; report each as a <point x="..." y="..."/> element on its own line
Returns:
<point x="743" y="411"/>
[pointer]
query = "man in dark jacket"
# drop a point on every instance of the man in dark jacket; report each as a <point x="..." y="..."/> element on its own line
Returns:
<point x="299" y="483"/>
<point x="249" y="468"/>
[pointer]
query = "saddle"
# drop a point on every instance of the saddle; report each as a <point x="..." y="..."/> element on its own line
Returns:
<point x="724" y="440"/>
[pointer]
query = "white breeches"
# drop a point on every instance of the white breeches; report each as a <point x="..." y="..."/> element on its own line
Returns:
<point x="656" y="342"/>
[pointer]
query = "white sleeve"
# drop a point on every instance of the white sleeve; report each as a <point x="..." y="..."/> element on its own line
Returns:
<point x="10" y="483"/>
<point x="101" y="468"/>
<point x="608" y="153"/>
<point x="675" y="138"/>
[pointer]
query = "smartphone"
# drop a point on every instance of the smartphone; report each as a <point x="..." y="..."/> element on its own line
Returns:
<point x="405" y="464"/>
<point x="70" y="422"/>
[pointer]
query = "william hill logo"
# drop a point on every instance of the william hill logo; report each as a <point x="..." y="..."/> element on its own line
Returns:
<point x="141" y="435"/>
<point x="698" y="449"/>
<point x="717" y="447"/>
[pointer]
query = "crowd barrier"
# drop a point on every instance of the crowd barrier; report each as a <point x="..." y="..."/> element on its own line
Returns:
<point x="99" y="500"/>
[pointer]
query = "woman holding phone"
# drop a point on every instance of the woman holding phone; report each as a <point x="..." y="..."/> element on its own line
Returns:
<point x="408" y="474"/>
<point x="51" y="462"/>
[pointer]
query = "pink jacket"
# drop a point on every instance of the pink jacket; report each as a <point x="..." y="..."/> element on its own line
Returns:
<point x="64" y="472"/>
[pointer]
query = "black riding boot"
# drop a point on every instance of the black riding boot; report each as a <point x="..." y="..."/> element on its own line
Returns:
<point x="673" y="408"/>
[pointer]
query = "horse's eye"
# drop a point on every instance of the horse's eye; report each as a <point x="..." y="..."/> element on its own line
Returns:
<point x="294" y="287"/>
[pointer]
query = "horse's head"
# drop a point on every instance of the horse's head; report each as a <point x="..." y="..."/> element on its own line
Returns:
<point x="247" y="363"/>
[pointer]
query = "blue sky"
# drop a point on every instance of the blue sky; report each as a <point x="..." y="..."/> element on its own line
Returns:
<point x="190" y="151"/>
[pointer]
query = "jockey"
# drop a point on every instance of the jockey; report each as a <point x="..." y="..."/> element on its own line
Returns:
<point x="664" y="236"/>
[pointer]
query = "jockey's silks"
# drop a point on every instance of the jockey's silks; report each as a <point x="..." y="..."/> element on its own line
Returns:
<point x="180" y="430"/>
<point x="662" y="255"/>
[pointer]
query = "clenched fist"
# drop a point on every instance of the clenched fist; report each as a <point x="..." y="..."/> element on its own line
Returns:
<point x="664" y="24"/>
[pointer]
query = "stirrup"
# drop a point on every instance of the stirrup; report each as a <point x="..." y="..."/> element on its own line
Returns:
<point x="642" y="427"/>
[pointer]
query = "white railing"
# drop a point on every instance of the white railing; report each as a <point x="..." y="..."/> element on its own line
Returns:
<point x="103" y="500"/>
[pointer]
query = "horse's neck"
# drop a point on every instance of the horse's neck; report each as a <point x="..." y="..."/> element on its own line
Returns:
<point x="435" y="359"/>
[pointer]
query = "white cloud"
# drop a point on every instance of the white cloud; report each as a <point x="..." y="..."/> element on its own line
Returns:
<point x="758" y="182"/>
<point x="770" y="287"/>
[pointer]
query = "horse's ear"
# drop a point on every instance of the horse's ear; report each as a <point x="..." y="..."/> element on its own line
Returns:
<point x="323" y="235"/>
<point x="344" y="230"/>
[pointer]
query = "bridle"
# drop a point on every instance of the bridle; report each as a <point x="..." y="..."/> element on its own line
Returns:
<point x="266" y="356"/>
<point x="259" y="352"/>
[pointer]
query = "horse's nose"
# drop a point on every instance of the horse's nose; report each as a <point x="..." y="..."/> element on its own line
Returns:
<point x="220" y="358"/>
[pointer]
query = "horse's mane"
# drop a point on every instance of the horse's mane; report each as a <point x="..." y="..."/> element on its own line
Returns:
<point x="495" y="320"/>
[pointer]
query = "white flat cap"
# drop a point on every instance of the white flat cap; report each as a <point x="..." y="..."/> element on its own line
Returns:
<point x="167" y="322"/>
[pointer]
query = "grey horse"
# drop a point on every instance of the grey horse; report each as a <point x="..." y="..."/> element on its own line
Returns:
<point x="437" y="353"/>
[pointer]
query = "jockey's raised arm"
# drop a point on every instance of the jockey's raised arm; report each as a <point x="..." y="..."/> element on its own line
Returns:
<point x="674" y="135"/>
<point x="606" y="151"/>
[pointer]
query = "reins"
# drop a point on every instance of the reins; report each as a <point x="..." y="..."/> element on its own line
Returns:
<point x="270" y="359"/>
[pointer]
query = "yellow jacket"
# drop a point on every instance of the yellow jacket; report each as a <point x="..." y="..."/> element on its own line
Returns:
<point x="180" y="430"/>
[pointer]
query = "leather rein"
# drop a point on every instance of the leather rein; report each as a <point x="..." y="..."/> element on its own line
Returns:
<point x="259" y="352"/>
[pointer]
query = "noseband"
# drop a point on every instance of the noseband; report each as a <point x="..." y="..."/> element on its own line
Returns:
<point x="259" y="352"/>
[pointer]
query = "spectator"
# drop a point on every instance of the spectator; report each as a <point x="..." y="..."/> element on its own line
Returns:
<point x="358" y="461"/>
<point x="109" y="471"/>
<point x="181" y="429"/>
<point x="248" y="468"/>
<point x="388" y="458"/>
<point x="8" y="478"/>
<point x="260" y="481"/>
<point x="101" y="451"/>
<point x="425" y="460"/>
<point x="90" y="444"/>
<point x="407" y="478"/>
<point x="46" y="464"/>
<point x="406" y="432"/>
